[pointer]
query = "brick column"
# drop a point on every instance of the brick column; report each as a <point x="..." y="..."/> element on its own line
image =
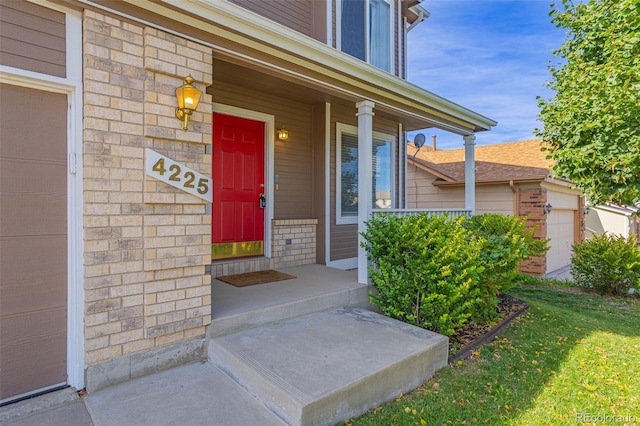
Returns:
<point x="531" y="205"/>
<point x="147" y="297"/>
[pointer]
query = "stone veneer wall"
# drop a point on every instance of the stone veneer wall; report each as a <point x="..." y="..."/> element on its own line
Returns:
<point x="532" y="203"/>
<point x="146" y="244"/>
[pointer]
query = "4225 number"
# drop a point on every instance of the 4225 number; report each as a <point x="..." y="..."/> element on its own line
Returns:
<point x="177" y="175"/>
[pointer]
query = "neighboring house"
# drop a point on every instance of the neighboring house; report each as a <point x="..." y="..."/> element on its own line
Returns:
<point x="612" y="219"/>
<point x="106" y="229"/>
<point x="511" y="178"/>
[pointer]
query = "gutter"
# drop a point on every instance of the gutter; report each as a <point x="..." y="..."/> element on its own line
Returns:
<point x="489" y="182"/>
<point x="422" y="15"/>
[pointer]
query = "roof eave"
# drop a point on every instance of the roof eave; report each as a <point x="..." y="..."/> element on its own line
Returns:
<point x="236" y="23"/>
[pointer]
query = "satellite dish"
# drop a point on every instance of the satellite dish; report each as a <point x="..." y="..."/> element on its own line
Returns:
<point x="419" y="140"/>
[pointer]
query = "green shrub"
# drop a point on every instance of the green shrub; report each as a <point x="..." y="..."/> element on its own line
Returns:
<point x="505" y="243"/>
<point x="440" y="272"/>
<point x="426" y="270"/>
<point x="606" y="263"/>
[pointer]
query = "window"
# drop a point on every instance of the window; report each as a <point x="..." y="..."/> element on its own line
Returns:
<point x="365" y="30"/>
<point x="347" y="173"/>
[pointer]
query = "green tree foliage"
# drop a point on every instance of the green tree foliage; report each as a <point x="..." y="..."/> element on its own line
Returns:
<point x="592" y="124"/>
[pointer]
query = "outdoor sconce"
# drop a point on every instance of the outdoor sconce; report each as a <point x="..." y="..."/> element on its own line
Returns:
<point x="188" y="99"/>
<point x="283" y="134"/>
<point x="547" y="208"/>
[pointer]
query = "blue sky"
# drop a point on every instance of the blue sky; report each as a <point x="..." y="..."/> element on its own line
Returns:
<point x="490" y="56"/>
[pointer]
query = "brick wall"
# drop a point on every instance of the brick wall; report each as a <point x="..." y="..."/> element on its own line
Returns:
<point x="294" y="242"/>
<point x="581" y="226"/>
<point x="531" y="204"/>
<point x="146" y="243"/>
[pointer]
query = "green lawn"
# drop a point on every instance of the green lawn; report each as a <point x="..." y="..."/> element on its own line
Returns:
<point x="572" y="359"/>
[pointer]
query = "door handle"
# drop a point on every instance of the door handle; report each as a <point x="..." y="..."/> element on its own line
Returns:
<point x="263" y="201"/>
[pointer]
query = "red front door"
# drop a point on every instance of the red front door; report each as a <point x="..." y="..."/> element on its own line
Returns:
<point x="237" y="222"/>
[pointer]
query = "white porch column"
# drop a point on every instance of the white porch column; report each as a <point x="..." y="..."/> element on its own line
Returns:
<point x="365" y="176"/>
<point x="470" y="173"/>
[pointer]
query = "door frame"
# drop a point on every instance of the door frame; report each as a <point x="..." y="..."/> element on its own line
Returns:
<point x="269" y="144"/>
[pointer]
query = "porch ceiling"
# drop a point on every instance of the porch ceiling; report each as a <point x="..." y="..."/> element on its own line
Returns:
<point x="284" y="60"/>
<point x="261" y="82"/>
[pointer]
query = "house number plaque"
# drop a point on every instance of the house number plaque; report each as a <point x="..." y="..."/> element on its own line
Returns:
<point x="178" y="175"/>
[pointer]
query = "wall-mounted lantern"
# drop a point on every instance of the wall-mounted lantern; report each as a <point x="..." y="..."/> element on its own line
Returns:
<point x="283" y="134"/>
<point x="188" y="99"/>
<point x="547" y="208"/>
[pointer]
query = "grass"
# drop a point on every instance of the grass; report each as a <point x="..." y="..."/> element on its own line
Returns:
<point x="573" y="358"/>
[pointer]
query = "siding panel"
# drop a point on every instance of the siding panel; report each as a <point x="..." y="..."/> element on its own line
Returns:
<point x="32" y="37"/>
<point x="297" y="15"/>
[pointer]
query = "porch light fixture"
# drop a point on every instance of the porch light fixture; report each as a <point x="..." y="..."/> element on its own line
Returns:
<point x="188" y="99"/>
<point x="547" y="208"/>
<point x="283" y="134"/>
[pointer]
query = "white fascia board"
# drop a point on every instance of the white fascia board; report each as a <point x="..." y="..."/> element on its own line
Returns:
<point x="614" y="209"/>
<point x="264" y="35"/>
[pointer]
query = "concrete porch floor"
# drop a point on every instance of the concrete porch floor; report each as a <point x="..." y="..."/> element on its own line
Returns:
<point x="315" y="288"/>
<point x="311" y="281"/>
<point x="294" y="352"/>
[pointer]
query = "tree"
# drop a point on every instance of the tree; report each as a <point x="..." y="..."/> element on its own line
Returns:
<point x="592" y="124"/>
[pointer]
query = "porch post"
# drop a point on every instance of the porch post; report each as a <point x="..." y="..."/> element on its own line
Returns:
<point x="470" y="173"/>
<point x="365" y="176"/>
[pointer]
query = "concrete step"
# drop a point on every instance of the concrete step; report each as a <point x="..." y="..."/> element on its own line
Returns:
<point x="284" y="309"/>
<point x="329" y="366"/>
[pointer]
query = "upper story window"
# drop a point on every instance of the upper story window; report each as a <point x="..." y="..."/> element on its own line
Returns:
<point x="365" y="30"/>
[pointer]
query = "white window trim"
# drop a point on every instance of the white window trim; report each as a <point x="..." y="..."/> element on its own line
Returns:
<point x="392" y="44"/>
<point x="353" y="131"/>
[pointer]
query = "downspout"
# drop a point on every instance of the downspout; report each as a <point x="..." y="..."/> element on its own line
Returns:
<point x="516" y="198"/>
<point x="422" y="15"/>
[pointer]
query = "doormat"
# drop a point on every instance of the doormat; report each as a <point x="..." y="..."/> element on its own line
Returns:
<point x="253" y="278"/>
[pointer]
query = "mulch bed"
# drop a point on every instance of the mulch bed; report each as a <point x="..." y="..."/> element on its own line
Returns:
<point x="472" y="336"/>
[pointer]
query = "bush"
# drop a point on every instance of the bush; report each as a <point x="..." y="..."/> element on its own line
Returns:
<point x="426" y="270"/>
<point x="440" y="272"/>
<point x="505" y="243"/>
<point x="607" y="264"/>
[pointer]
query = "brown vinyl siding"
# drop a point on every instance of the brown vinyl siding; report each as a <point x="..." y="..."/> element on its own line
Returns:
<point x="299" y="15"/>
<point x="32" y="38"/>
<point x="293" y="158"/>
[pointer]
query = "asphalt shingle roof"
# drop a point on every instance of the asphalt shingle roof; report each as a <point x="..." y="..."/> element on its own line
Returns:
<point x="516" y="161"/>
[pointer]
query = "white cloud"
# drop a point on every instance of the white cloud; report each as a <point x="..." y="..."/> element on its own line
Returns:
<point x="490" y="56"/>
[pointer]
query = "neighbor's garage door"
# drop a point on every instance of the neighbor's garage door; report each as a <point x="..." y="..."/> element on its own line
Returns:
<point x="560" y="228"/>
<point x="33" y="241"/>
